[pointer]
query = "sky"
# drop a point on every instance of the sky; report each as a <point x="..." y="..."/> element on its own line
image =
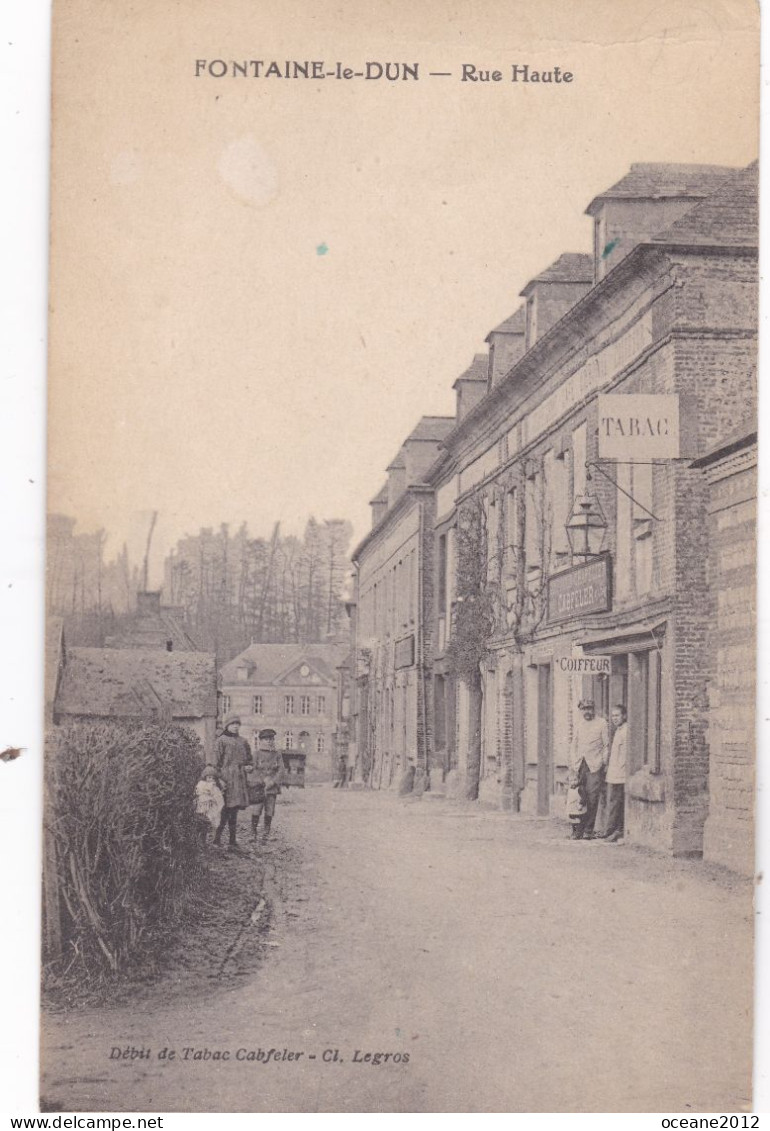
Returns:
<point x="258" y="286"/>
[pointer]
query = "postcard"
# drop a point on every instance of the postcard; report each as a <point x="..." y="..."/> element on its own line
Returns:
<point x="401" y="558"/>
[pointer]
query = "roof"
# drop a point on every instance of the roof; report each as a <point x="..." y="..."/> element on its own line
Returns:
<point x="126" y="682"/>
<point x="432" y="428"/>
<point x="397" y="462"/>
<point x="478" y="370"/>
<point x="743" y="437"/>
<point x="381" y="496"/>
<point x="730" y="215"/>
<point x="571" y="267"/>
<point x="516" y="323"/>
<point x="657" y="181"/>
<point x="272" y="661"/>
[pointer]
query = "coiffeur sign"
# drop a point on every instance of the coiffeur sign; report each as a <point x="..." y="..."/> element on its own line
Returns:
<point x="584" y="589"/>
<point x="638" y="426"/>
<point x="584" y="665"/>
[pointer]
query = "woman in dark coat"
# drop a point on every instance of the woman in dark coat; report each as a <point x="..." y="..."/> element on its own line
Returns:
<point x="231" y="756"/>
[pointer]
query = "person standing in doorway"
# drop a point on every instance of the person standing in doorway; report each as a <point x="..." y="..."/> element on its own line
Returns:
<point x="616" y="777"/>
<point x="232" y="754"/>
<point x="587" y="763"/>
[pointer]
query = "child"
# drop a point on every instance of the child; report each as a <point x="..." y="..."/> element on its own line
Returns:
<point x="209" y="802"/>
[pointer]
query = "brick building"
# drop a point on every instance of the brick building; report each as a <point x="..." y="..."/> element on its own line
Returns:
<point x="291" y="689"/>
<point x="731" y="473"/>
<point x="392" y="708"/>
<point x="665" y="307"/>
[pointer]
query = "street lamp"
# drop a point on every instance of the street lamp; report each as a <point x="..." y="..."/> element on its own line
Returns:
<point x="586" y="527"/>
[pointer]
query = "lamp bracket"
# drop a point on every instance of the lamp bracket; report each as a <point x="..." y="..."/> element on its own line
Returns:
<point x="595" y="463"/>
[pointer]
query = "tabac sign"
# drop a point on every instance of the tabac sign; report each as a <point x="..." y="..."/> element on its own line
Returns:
<point x="584" y="589"/>
<point x="638" y="426"/>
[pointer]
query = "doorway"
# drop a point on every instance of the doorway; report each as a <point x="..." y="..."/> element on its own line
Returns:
<point x="544" y="739"/>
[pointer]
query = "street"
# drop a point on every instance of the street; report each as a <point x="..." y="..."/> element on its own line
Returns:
<point x="493" y="964"/>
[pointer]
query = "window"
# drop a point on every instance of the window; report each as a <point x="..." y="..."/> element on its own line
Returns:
<point x="634" y="564"/>
<point x="321" y="704"/>
<point x="533" y="524"/>
<point x="288" y="704"/>
<point x="288" y="740"/>
<point x="320" y="744"/>
<point x="579" y="457"/>
<point x="304" y="704"/>
<point x="225" y="704"/>
<point x="557" y="507"/>
<point x="256" y="706"/>
<point x="442" y="573"/>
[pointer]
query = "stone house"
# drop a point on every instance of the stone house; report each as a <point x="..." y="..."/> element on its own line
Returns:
<point x="139" y="683"/>
<point x="665" y="307"/>
<point x="672" y="312"/>
<point x="391" y="708"/>
<point x="291" y="689"/>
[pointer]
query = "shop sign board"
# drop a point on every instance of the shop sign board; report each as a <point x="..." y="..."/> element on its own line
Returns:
<point x="584" y="665"/>
<point x="638" y="426"/>
<point x="584" y="589"/>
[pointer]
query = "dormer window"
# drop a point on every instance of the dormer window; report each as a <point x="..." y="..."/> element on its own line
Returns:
<point x="243" y="673"/>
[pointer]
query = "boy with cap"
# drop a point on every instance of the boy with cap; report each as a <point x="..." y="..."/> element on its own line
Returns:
<point x="265" y="782"/>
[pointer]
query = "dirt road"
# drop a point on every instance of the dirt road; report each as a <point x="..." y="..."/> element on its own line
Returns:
<point x="493" y="965"/>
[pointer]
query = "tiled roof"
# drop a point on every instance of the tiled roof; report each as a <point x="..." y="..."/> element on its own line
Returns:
<point x="433" y="428"/>
<point x="657" y="181"/>
<point x="515" y="324"/>
<point x="742" y="437"/>
<point x="478" y="370"/>
<point x="125" y="682"/>
<point x="271" y="661"/>
<point x="571" y="267"/>
<point x="730" y="215"/>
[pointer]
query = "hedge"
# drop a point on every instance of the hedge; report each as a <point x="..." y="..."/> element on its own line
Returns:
<point x="122" y="819"/>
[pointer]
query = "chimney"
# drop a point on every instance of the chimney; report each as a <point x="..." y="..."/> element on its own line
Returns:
<point x="396" y="479"/>
<point x="379" y="505"/>
<point x="421" y="447"/>
<point x="148" y="602"/>
<point x="644" y="203"/>
<point x="555" y="291"/>
<point x="471" y="385"/>
<point x="506" y="345"/>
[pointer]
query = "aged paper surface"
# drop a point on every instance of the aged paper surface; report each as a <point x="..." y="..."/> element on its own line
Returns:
<point x="336" y="265"/>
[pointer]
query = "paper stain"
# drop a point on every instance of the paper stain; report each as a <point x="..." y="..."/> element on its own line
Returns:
<point x="246" y="168"/>
<point x="322" y="249"/>
<point x="11" y="753"/>
<point x="126" y="167"/>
